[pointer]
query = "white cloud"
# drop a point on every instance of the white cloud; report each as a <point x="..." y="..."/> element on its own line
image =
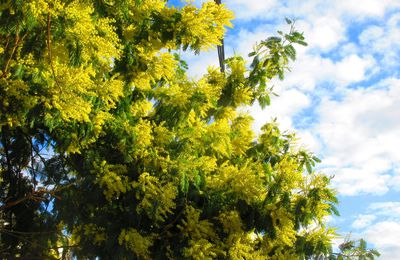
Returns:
<point x="360" y="137"/>
<point x="310" y="70"/>
<point x="395" y="181"/>
<point x="250" y="9"/>
<point x="381" y="227"/>
<point x="243" y="41"/>
<point x="363" y="221"/>
<point x="385" y="236"/>
<point x="353" y="68"/>
<point x="283" y="107"/>
<point x="383" y="40"/>
<point x="355" y="180"/>
<point x="390" y="209"/>
<point x="309" y="141"/>
<point x="322" y="32"/>
<point x="372" y="33"/>
<point x="198" y="64"/>
<point x="368" y="8"/>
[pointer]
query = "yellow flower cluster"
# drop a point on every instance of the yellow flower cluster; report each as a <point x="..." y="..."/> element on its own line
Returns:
<point x="162" y="135"/>
<point x="201" y="234"/>
<point x="159" y="66"/>
<point x="68" y="91"/>
<point x="40" y="8"/>
<point x="97" y="36"/>
<point x="97" y="233"/>
<point x="219" y="132"/>
<point x="205" y="25"/>
<point x="136" y="242"/>
<point x="143" y="137"/>
<point x="242" y="134"/>
<point x="242" y="247"/>
<point x="231" y="222"/>
<point x="284" y="228"/>
<point x="244" y="182"/>
<point x="156" y="199"/>
<point x="112" y="179"/>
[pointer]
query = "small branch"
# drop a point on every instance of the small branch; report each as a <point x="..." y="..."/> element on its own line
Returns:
<point x="7" y="42"/>
<point x="17" y="41"/>
<point x="49" y="49"/>
<point x="11" y="55"/>
<point x="28" y="233"/>
<point x="36" y="195"/>
<point x="15" y="202"/>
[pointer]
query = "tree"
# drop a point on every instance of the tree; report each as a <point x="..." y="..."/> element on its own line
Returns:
<point x="109" y="150"/>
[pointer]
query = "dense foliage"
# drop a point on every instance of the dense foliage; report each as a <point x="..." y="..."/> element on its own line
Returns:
<point x="108" y="149"/>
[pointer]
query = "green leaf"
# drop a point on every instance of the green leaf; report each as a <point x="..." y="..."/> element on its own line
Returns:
<point x="316" y="159"/>
<point x="302" y="43"/>
<point x="375" y="252"/>
<point x="264" y="101"/>
<point x="308" y="166"/>
<point x="290" y="52"/>
<point x="184" y="183"/>
<point x="334" y="210"/>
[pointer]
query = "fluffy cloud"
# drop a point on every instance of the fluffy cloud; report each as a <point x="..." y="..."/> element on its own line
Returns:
<point x="381" y="226"/>
<point x="309" y="141"/>
<point x="360" y="137"/>
<point x="244" y="40"/>
<point x="322" y="32"/>
<point x="353" y="68"/>
<point x="283" y="107"/>
<point x="390" y="209"/>
<point x="385" y="236"/>
<point x="368" y="8"/>
<point x="250" y="9"/>
<point x="382" y="40"/>
<point x="310" y="70"/>
<point x="198" y="64"/>
<point x="363" y="221"/>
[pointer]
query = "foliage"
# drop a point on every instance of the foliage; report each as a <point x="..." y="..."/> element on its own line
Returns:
<point x="109" y="150"/>
<point x="352" y="249"/>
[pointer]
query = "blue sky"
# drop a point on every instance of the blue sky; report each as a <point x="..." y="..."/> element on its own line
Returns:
<point x="342" y="98"/>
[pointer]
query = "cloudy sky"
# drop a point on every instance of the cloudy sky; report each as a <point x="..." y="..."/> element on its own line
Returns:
<point x="342" y="98"/>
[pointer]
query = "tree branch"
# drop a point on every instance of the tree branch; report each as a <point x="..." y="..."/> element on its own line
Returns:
<point x="17" y="41"/>
<point x="36" y="195"/>
<point x="49" y="49"/>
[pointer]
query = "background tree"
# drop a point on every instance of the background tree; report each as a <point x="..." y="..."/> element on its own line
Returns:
<point x="109" y="150"/>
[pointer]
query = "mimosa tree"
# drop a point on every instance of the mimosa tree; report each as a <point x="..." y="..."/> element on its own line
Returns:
<point x="109" y="150"/>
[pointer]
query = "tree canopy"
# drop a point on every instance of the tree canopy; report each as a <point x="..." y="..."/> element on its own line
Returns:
<point x="108" y="149"/>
